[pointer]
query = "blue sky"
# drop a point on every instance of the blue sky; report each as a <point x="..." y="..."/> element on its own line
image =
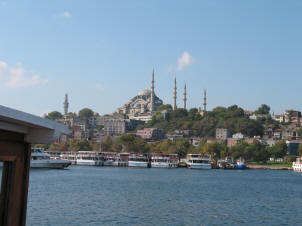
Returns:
<point x="102" y="53"/>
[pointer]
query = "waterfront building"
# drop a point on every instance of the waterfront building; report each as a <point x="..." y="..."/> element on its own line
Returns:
<point x="222" y="133"/>
<point x="292" y="147"/>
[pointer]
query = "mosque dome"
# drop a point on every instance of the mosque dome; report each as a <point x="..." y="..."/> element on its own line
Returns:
<point x="144" y="92"/>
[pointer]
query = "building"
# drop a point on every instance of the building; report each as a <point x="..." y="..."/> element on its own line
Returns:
<point x="238" y="136"/>
<point x="232" y="142"/>
<point x="143" y="104"/>
<point x="292" y="147"/>
<point x="114" y="126"/>
<point x="150" y="134"/>
<point x="222" y="133"/>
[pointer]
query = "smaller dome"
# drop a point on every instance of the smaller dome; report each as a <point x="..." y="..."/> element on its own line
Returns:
<point x="144" y="92"/>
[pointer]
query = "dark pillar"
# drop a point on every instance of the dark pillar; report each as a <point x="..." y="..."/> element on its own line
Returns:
<point x="15" y="153"/>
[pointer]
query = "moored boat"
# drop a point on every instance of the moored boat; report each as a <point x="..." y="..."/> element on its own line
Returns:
<point x="297" y="165"/>
<point x="164" y="161"/>
<point x="138" y="160"/>
<point x="89" y="158"/>
<point x="40" y="159"/>
<point x="240" y="163"/>
<point x="198" y="161"/>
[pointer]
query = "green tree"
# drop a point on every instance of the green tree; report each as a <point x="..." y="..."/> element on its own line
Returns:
<point x="79" y="145"/>
<point x="106" y="145"/>
<point x="300" y="150"/>
<point x="85" y="113"/>
<point x="263" y="109"/>
<point x="279" y="150"/>
<point x="257" y="152"/>
<point x="54" y="115"/>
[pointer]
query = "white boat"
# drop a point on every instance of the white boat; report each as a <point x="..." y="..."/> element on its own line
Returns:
<point x="40" y="159"/>
<point x="89" y="158"/>
<point x="297" y="165"/>
<point x="71" y="156"/>
<point x="110" y="158"/>
<point x="164" y="161"/>
<point x="198" y="161"/>
<point x="138" y="160"/>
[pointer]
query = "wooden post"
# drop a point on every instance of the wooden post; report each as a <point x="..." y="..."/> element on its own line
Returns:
<point x="15" y="153"/>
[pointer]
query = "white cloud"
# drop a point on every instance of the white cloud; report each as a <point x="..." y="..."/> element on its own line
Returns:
<point x="184" y="61"/>
<point x="65" y="14"/>
<point x="16" y="77"/>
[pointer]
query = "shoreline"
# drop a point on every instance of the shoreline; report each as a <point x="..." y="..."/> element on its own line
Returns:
<point x="268" y="167"/>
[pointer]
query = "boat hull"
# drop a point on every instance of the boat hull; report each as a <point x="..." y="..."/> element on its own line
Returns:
<point x="50" y="164"/>
<point x="163" y="165"/>
<point x="297" y="167"/>
<point x="199" y="166"/>
<point x="240" y="166"/>
<point x="89" y="163"/>
<point x="137" y="164"/>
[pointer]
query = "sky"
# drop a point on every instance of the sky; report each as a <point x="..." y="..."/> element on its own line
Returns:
<point x="102" y="53"/>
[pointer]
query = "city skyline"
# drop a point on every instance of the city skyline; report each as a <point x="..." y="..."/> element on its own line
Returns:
<point x="102" y="54"/>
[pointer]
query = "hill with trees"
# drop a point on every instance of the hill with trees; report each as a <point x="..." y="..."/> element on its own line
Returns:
<point x="233" y="118"/>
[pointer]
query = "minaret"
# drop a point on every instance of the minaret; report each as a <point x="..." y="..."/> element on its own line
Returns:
<point x="152" y="93"/>
<point x="66" y="104"/>
<point x="204" y="101"/>
<point x="175" y="93"/>
<point x="185" y="97"/>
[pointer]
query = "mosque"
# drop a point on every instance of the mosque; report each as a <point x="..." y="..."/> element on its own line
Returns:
<point x="142" y="106"/>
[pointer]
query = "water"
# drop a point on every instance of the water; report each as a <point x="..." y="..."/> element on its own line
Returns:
<point x="128" y="196"/>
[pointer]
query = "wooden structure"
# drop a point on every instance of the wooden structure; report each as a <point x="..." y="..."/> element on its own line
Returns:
<point x="17" y="131"/>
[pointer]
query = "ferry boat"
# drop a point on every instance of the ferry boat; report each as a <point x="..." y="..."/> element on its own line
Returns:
<point x="70" y="156"/>
<point x="240" y="164"/>
<point x="40" y="159"/>
<point x="228" y="163"/>
<point x="138" y="160"/>
<point x="110" y="158"/>
<point x="122" y="159"/>
<point x="164" y="161"/>
<point x="115" y="159"/>
<point x="297" y="165"/>
<point x="89" y="158"/>
<point x="198" y="161"/>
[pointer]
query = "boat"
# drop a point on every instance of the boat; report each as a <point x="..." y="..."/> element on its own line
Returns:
<point x="164" y="161"/>
<point x="139" y="160"/>
<point x="240" y="164"/>
<point x="110" y="158"/>
<point x="71" y="156"/>
<point x="297" y="165"/>
<point x="198" y="161"/>
<point x="228" y="163"/>
<point x="40" y="159"/>
<point x="89" y="158"/>
<point x="122" y="159"/>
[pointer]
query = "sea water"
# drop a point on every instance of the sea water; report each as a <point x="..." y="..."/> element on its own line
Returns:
<point x="132" y="196"/>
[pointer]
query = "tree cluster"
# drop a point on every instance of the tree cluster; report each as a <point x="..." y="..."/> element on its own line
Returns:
<point x="232" y="118"/>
